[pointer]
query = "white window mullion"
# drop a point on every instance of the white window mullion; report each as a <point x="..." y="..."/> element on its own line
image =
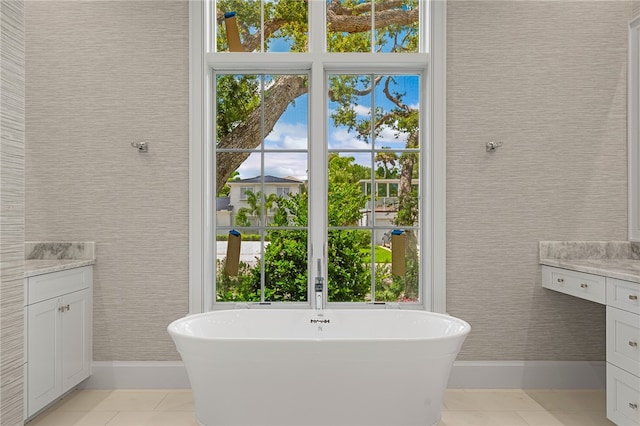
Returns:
<point x="317" y="149"/>
<point x="317" y="178"/>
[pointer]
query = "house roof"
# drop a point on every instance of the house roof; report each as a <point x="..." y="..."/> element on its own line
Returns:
<point x="267" y="179"/>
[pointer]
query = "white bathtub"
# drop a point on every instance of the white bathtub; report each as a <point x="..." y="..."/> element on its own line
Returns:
<point x="323" y="368"/>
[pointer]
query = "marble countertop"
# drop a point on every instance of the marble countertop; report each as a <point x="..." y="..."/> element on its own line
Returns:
<point x="44" y="266"/>
<point x="43" y="257"/>
<point x="623" y="269"/>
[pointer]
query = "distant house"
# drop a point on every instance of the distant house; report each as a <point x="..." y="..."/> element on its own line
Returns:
<point x="383" y="204"/>
<point x="227" y="208"/>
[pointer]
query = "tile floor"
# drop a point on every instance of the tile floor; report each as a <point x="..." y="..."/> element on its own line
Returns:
<point x="462" y="407"/>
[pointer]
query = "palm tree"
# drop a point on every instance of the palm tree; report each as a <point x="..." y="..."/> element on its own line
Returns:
<point x="256" y="204"/>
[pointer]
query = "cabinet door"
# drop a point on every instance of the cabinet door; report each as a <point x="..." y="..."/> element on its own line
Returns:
<point x="43" y="353"/>
<point x="76" y="345"/>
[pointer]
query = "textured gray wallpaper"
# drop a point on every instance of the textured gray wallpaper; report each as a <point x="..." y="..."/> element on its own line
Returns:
<point x="545" y="78"/>
<point x="12" y="117"/>
<point x="548" y="79"/>
<point x="101" y="74"/>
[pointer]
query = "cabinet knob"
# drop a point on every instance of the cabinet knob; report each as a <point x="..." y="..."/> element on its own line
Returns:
<point x="633" y="344"/>
<point x="583" y="285"/>
<point x="64" y="308"/>
<point x="633" y="297"/>
<point x="560" y="280"/>
<point x="633" y="405"/>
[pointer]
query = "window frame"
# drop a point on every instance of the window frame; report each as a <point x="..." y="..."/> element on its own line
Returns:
<point x="318" y="63"/>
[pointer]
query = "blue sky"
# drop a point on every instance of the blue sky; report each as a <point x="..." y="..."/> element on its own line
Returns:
<point x="291" y="132"/>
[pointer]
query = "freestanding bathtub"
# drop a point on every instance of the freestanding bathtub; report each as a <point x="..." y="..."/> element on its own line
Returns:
<point x="294" y="367"/>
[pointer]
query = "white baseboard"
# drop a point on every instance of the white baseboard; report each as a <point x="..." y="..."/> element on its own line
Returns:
<point x="137" y="375"/>
<point x="528" y="375"/>
<point x="465" y="375"/>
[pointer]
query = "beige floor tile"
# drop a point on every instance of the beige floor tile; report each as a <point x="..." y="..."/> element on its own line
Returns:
<point x="132" y="400"/>
<point x="490" y="400"/>
<point x="481" y="418"/>
<point x="177" y="400"/>
<point x="540" y="418"/>
<point x="582" y="418"/>
<point x="73" y="418"/>
<point x="154" y="418"/>
<point x="82" y="400"/>
<point x="570" y="400"/>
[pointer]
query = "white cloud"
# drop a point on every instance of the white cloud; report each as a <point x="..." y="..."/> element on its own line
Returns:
<point x="287" y="136"/>
<point x="362" y="110"/>
<point x="390" y="135"/>
<point x="343" y="139"/>
<point x="278" y="164"/>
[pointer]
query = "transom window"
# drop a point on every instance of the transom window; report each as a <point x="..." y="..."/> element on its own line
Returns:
<point x="321" y="154"/>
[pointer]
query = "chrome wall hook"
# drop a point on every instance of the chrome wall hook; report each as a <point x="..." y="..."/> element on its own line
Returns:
<point x="142" y="146"/>
<point x="492" y="146"/>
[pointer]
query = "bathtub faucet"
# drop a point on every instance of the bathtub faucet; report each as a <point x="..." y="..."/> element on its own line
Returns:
<point x="319" y="286"/>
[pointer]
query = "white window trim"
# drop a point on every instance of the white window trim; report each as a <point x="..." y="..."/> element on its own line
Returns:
<point x="201" y="193"/>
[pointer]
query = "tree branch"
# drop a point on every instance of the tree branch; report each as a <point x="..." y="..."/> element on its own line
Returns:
<point x="252" y="42"/>
<point x="392" y="98"/>
<point x="357" y="92"/>
<point x="360" y="23"/>
<point x="366" y="7"/>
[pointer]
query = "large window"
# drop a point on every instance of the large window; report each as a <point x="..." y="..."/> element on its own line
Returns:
<point x="320" y="150"/>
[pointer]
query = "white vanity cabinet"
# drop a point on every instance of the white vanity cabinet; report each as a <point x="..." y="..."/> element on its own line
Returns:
<point x="623" y="334"/>
<point x="58" y="334"/>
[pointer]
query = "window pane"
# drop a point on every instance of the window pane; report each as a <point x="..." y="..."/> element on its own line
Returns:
<point x="235" y="265"/>
<point x="291" y="130"/>
<point x="243" y="27"/>
<point x="397" y="106"/>
<point x="397" y="266"/>
<point x="346" y="201"/>
<point x="286" y="25"/>
<point x="266" y="26"/>
<point x="348" y="26"/>
<point x="349" y="110"/>
<point x="397" y="26"/>
<point x="349" y="277"/>
<point x="286" y="266"/>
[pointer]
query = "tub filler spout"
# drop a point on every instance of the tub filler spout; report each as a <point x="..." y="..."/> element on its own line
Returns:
<point x="319" y="287"/>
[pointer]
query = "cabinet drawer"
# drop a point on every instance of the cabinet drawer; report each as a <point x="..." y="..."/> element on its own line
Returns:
<point x="623" y="294"/>
<point x="623" y="340"/>
<point x="55" y="284"/>
<point x="623" y="396"/>
<point x="578" y="284"/>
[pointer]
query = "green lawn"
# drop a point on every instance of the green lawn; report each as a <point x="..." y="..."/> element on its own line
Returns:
<point x="382" y="255"/>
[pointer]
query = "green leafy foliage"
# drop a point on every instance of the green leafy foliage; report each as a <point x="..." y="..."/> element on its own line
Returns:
<point x="242" y="288"/>
<point x="348" y="276"/>
<point x="236" y="97"/>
